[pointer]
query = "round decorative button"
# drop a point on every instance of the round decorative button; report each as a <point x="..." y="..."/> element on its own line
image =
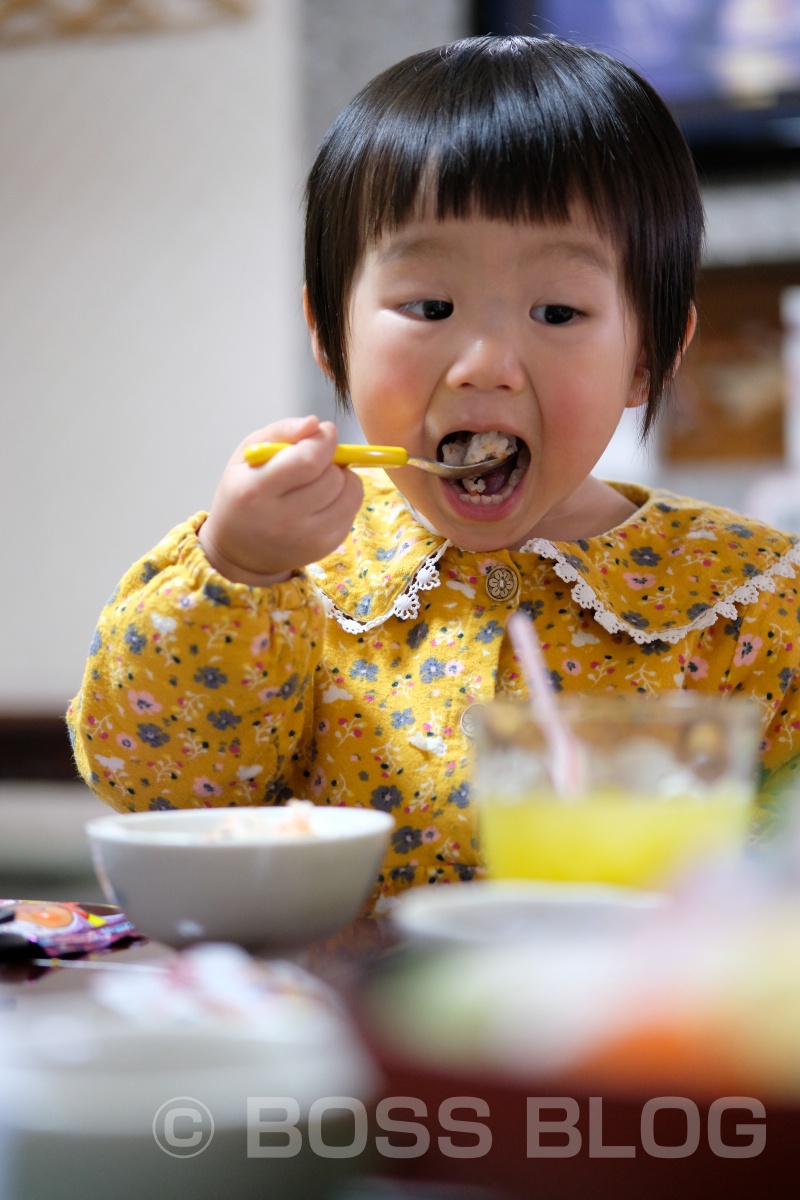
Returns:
<point x="502" y="583"/>
<point x="469" y="722"/>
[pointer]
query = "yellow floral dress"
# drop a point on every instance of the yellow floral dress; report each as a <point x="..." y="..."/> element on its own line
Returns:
<point x="352" y="683"/>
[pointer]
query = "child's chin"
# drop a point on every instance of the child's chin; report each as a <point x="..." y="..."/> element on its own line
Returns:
<point x="479" y="535"/>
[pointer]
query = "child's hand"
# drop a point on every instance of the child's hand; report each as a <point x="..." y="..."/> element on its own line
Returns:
<point x="267" y="521"/>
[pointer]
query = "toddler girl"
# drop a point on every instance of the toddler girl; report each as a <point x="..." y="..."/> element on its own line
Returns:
<point x="502" y="241"/>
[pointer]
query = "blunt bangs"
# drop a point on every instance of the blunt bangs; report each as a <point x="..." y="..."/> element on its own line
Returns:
<point x="514" y="129"/>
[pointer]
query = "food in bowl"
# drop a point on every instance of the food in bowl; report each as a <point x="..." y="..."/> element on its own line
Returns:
<point x="264" y="879"/>
<point x="246" y="825"/>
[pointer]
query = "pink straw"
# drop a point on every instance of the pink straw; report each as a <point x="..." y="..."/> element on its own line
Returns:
<point x="565" y="757"/>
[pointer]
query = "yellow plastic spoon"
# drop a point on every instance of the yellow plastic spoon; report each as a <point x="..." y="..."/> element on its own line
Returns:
<point x="376" y="456"/>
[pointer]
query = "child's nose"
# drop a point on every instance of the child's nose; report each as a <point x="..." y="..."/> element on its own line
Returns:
<point x="487" y="361"/>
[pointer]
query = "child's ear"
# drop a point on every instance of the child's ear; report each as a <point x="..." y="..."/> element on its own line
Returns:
<point x="640" y="386"/>
<point x="641" y="378"/>
<point x="316" y="349"/>
<point x="691" y="327"/>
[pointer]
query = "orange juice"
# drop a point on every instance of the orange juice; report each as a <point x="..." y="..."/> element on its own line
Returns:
<point x="610" y="837"/>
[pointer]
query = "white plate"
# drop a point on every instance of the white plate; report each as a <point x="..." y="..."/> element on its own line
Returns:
<point x="492" y="911"/>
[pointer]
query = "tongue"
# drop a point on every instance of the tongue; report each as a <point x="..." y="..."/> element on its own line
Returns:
<point x="497" y="479"/>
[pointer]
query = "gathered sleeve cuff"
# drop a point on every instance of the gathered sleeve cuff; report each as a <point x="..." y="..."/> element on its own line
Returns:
<point x="197" y="689"/>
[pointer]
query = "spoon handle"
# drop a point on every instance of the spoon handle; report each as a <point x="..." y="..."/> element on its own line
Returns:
<point x="358" y="456"/>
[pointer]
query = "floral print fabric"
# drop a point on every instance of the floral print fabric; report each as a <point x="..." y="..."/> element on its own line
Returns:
<point x="351" y="683"/>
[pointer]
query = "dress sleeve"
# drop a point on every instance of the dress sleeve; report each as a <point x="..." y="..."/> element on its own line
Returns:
<point x="779" y="783"/>
<point x="758" y="655"/>
<point x="196" y="689"/>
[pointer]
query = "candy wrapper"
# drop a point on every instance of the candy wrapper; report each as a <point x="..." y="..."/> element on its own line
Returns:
<point x="42" y="928"/>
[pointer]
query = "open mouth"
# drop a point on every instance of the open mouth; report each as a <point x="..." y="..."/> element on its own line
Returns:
<point x="492" y="485"/>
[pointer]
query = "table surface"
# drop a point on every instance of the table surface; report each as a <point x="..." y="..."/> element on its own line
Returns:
<point x="347" y="962"/>
<point x="343" y="961"/>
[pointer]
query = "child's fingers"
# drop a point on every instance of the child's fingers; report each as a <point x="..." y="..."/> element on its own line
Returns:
<point x="336" y="484"/>
<point x="312" y="503"/>
<point x="287" y="513"/>
<point x="288" y="429"/>
<point x="321" y="520"/>
<point x="302" y="463"/>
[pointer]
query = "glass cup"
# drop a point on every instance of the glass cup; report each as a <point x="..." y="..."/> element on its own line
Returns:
<point x="661" y="784"/>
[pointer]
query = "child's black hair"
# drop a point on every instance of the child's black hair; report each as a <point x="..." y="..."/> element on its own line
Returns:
<point x="515" y="128"/>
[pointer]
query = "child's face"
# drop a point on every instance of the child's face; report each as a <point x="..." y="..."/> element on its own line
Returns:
<point x="479" y="325"/>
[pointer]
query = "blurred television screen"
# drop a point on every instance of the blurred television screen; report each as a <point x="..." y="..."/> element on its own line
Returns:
<point x="729" y="69"/>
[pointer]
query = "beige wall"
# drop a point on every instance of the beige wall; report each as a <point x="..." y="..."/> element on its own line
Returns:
<point x="150" y="192"/>
<point x="149" y="310"/>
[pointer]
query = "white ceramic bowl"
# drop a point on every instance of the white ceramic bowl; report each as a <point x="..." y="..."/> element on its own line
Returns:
<point x="180" y="881"/>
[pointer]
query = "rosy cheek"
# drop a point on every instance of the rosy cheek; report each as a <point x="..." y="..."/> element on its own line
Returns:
<point x="391" y="397"/>
<point x="563" y="414"/>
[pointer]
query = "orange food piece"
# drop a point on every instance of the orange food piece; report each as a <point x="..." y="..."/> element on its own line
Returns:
<point x="671" y="1057"/>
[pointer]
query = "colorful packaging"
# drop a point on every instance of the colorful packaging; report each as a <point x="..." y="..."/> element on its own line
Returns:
<point x="31" y="928"/>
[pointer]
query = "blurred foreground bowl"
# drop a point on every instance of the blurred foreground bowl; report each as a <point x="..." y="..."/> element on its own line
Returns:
<point x="564" y="1078"/>
<point x="236" y="874"/>
<point x="92" y="1105"/>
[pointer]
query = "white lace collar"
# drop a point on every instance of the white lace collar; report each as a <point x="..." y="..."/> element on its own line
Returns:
<point x="392" y="554"/>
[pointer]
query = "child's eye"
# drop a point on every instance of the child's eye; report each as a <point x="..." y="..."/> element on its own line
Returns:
<point x="553" y="314"/>
<point x="429" y="310"/>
